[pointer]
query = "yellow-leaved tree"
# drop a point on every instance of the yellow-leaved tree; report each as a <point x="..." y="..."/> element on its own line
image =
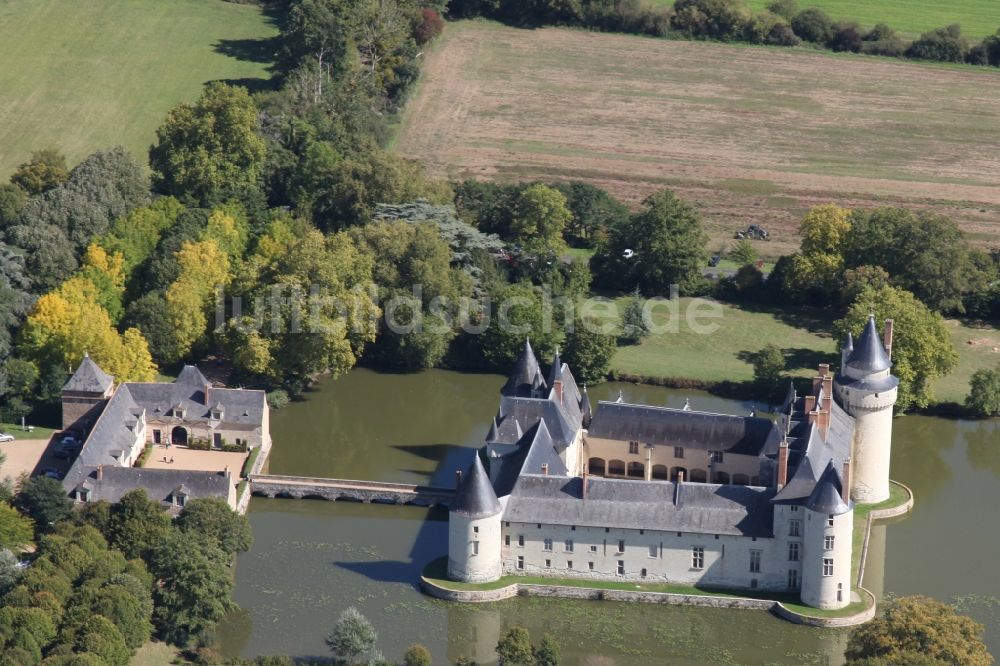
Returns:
<point x="204" y="267"/>
<point x="70" y="321"/>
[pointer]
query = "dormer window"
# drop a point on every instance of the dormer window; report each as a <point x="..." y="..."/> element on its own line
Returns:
<point x="217" y="415"/>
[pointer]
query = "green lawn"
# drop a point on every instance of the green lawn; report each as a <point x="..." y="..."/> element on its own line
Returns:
<point x="910" y="18"/>
<point x="803" y="335"/>
<point x="37" y="432"/>
<point x="87" y="74"/>
<point x="978" y="18"/>
<point x="155" y="654"/>
<point x="724" y="355"/>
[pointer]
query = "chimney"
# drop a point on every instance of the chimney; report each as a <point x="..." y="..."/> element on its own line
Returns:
<point x="100" y="472"/>
<point x="782" y="464"/>
<point x="545" y="469"/>
<point x="824" y="369"/>
<point x="823" y="422"/>
<point x="845" y="490"/>
<point x="458" y="478"/>
<point x="819" y="379"/>
<point x="557" y="386"/>
<point x="208" y="387"/>
<point x="887" y="338"/>
<point x="680" y="476"/>
<point x="810" y="404"/>
<point x="585" y="473"/>
<point x="827" y="387"/>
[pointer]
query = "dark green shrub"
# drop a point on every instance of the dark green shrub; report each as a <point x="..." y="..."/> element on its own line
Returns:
<point x="813" y="25"/>
<point x="942" y="45"/>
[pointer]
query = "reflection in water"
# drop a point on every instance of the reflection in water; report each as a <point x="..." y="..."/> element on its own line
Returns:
<point x="311" y="559"/>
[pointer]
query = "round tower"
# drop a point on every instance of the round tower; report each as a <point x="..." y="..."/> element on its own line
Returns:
<point x="826" y="557"/>
<point x="867" y="390"/>
<point x="474" y="530"/>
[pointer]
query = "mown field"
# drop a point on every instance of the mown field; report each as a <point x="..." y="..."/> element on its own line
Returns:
<point x="86" y="74"/>
<point x="750" y="135"/>
<point x="978" y="18"/>
<point x="803" y="336"/>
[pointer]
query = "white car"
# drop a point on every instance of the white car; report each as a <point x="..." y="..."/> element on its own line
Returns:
<point x="629" y="253"/>
<point x="6" y="437"/>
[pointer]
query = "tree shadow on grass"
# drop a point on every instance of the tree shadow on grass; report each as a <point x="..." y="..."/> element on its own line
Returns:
<point x="253" y="85"/>
<point x="250" y="50"/>
<point x="815" y="320"/>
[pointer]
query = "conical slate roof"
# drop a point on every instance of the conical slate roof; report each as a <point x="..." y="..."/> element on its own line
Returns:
<point x="525" y="376"/>
<point x="848" y="343"/>
<point x="555" y="372"/>
<point x="585" y="408"/>
<point x="89" y="378"/>
<point x="475" y="497"/>
<point x="191" y="376"/>
<point x="826" y="497"/>
<point x="868" y="354"/>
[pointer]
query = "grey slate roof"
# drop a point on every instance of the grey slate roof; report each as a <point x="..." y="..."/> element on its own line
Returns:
<point x="652" y="505"/>
<point x="868" y="355"/>
<point x="159" y="484"/>
<point x="524" y="413"/>
<point x="745" y="435"/>
<point x="474" y="497"/>
<point x="192" y="376"/>
<point x="89" y="378"/>
<point x="826" y="497"/>
<point x="240" y="407"/>
<point x="526" y="376"/>
<point x="556" y="370"/>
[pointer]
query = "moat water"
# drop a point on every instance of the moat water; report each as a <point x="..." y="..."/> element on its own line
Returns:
<point x="311" y="559"/>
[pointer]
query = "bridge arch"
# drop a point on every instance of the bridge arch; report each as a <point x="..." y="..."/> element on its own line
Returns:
<point x="660" y="472"/>
<point x="616" y="468"/>
<point x="636" y="470"/>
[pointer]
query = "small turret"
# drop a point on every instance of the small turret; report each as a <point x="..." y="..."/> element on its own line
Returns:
<point x="829" y="528"/>
<point x="474" y="531"/>
<point x="525" y="379"/>
<point x="556" y="376"/>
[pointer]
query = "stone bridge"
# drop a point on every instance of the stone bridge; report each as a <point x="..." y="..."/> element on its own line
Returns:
<point x="352" y="490"/>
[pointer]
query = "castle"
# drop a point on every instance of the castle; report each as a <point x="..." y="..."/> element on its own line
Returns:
<point x="117" y="422"/>
<point x="652" y="494"/>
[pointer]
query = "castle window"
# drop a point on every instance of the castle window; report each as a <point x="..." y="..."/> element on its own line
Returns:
<point x="506" y="539"/>
<point x="593" y="549"/>
<point x="621" y="545"/>
<point x="633" y="447"/>
<point x="794" y="508"/>
<point x="678" y="452"/>
<point x="653" y="550"/>
<point x="569" y="545"/>
<point x="698" y="557"/>
<point x="829" y="520"/>
<point x="793" y="579"/>
<point x="590" y="566"/>
<point x="520" y="562"/>
<point x="548" y="564"/>
<point x="217" y="438"/>
<point x="794" y="527"/>
<point x="520" y="540"/>
<point x="643" y="573"/>
<point x="753" y="583"/>
<point x="547" y="544"/>
<point x="717" y="457"/>
<point x="475" y="547"/>
<point x="827" y="566"/>
<point x="828" y="543"/>
<point x="569" y="564"/>
<point x="475" y="529"/>
<point x="793" y="552"/>
<point x="621" y="567"/>
<point x="754" y="561"/>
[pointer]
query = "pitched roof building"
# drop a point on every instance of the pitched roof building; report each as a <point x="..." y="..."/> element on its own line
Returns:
<point x="652" y="493"/>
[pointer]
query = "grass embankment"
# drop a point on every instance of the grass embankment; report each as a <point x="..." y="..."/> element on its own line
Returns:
<point x="90" y="74"/>
<point x="154" y="653"/>
<point x="688" y="358"/>
<point x="436" y="572"/>
<point x="897" y="496"/>
<point x="747" y="134"/>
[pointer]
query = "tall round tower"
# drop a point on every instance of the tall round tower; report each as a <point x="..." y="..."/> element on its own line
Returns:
<point x="826" y="557"/>
<point x="867" y="390"/>
<point x="474" y="531"/>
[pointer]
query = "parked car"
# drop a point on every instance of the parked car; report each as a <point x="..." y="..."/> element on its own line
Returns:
<point x="6" y="437"/>
<point x="52" y="473"/>
<point x="69" y="439"/>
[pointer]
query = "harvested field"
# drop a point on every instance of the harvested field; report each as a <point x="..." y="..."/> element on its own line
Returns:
<point x="750" y="135"/>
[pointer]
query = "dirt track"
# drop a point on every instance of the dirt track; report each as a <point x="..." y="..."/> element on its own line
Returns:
<point x="748" y="134"/>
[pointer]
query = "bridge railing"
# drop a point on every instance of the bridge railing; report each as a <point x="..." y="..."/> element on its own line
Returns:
<point x="350" y="483"/>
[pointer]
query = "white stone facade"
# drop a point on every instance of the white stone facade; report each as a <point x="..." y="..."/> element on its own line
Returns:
<point x="474" y="548"/>
<point x="826" y="563"/>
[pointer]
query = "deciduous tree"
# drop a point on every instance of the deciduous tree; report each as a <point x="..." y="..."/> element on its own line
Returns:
<point x="214" y="519"/>
<point x="43" y="500"/>
<point x="922" y="349"/>
<point x="918" y="626"/>
<point x="353" y="636"/>
<point x="984" y="392"/>
<point x="45" y="170"/>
